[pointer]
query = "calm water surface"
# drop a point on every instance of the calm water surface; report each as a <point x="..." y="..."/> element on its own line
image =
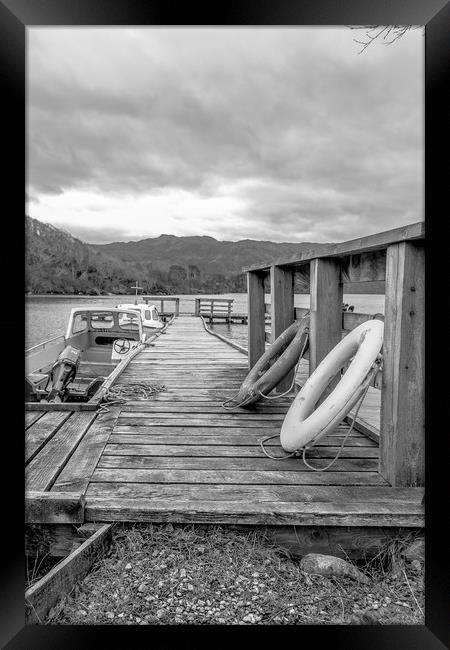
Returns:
<point x="47" y="316"/>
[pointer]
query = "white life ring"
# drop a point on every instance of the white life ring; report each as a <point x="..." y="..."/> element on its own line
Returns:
<point x="303" y="425"/>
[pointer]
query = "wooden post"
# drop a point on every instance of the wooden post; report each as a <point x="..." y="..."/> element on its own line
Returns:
<point x="402" y="435"/>
<point x="177" y="306"/>
<point x="326" y="309"/>
<point x="282" y="309"/>
<point x="256" y="320"/>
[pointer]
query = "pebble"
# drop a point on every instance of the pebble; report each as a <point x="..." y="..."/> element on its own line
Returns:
<point x="143" y="587"/>
<point x="128" y="566"/>
<point x="110" y="615"/>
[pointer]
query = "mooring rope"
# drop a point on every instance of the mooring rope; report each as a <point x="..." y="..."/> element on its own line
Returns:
<point x="302" y="451"/>
<point x="123" y="393"/>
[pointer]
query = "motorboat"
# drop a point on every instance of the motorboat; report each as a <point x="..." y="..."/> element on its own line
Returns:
<point x="150" y="317"/>
<point x="73" y="367"/>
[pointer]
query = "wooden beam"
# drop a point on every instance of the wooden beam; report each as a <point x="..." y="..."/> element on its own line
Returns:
<point x="256" y="317"/>
<point x="378" y="241"/>
<point x="402" y="438"/>
<point x="60" y="580"/>
<point x="281" y="310"/>
<point x="50" y="508"/>
<point x="326" y="309"/>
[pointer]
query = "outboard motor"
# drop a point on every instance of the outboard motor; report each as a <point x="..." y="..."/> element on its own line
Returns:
<point x="63" y="372"/>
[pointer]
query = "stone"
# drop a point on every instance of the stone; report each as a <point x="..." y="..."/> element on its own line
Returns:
<point x="142" y="588"/>
<point x="328" y="565"/>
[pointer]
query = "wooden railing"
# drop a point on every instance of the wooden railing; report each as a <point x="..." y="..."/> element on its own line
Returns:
<point x="214" y="307"/>
<point x="395" y="257"/>
<point x="162" y="300"/>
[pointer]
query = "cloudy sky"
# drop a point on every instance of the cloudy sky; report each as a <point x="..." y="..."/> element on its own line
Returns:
<point x="286" y="134"/>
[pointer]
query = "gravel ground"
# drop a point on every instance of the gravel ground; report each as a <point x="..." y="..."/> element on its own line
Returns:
<point x="164" y="574"/>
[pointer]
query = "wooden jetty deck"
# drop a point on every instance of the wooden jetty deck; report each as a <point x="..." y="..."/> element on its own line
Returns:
<point x="180" y="457"/>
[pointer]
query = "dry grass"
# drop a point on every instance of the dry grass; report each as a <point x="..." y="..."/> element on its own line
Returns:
<point x="164" y="574"/>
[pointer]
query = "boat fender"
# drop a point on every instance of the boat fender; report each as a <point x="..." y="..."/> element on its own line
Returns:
<point x="281" y="357"/>
<point x="304" y="425"/>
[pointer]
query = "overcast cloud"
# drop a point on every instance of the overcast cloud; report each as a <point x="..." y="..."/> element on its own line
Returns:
<point x="284" y="134"/>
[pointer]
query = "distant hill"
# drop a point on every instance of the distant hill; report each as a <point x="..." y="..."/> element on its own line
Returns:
<point x="197" y="264"/>
<point x="56" y="262"/>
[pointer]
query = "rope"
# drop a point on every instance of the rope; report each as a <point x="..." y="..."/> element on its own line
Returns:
<point x="323" y="469"/>
<point x="277" y="435"/>
<point x="298" y="452"/>
<point x="122" y="393"/>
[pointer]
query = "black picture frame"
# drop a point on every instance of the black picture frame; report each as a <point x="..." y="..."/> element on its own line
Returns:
<point x="15" y="16"/>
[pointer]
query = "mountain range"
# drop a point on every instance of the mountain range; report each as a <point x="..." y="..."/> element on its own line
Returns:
<point x="57" y="262"/>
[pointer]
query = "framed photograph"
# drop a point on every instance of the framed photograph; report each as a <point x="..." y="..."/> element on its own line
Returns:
<point x="224" y="269"/>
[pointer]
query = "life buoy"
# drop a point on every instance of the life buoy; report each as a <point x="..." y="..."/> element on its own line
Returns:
<point x="266" y="374"/>
<point x="302" y="424"/>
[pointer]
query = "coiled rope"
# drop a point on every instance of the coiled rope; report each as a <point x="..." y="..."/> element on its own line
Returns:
<point x="122" y="393"/>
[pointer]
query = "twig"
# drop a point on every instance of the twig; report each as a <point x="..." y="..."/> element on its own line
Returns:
<point x="413" y="595"/>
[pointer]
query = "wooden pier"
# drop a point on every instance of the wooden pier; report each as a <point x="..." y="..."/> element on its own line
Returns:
<point x="218" y="310"/>
<point x="179" y="456"/>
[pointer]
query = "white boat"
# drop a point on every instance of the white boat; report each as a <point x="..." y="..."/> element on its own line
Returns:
<point x="73" y="367"/>
<point x="150" y="317"/>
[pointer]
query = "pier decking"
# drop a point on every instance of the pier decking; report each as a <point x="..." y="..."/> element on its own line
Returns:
<point x="180" y="457"/>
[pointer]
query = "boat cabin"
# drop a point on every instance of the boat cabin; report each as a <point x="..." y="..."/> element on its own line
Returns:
<point x="149" y="315"/>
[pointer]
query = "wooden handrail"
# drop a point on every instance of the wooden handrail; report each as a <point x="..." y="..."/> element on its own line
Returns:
<point x="379" y="241"/>
<point x="395" y="258"/>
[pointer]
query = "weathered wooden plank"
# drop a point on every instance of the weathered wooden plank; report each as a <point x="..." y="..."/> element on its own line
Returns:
<point x="377" y="241"/>
<point x="240" y="477"/>
<point x="256" y="317"/>
<point x="225" y="512"/>
<point x="31" y="417"/>
<point x="213" y="422"/>
<point x="168" y="446"/>
<point x="364" y="427"/>
<point x="42" y="471"/>
<point x="282" y="311"/>
<point x="206" y="418"/>
<point x="48" y="508"/>
<point x="60" y="580"/>
<point x="326" y="310"/>
<point x="50" y="407"/>
<point x="355" y="438"/>
<point x="340" y="496"/>
<point x="402" y="439"/>
<point x="205" y="408"/>
<point x="42" y="431"/>
<point x="226" y="463"/>
<point x="354" y="542"/>
<point x="76" y="474"/>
